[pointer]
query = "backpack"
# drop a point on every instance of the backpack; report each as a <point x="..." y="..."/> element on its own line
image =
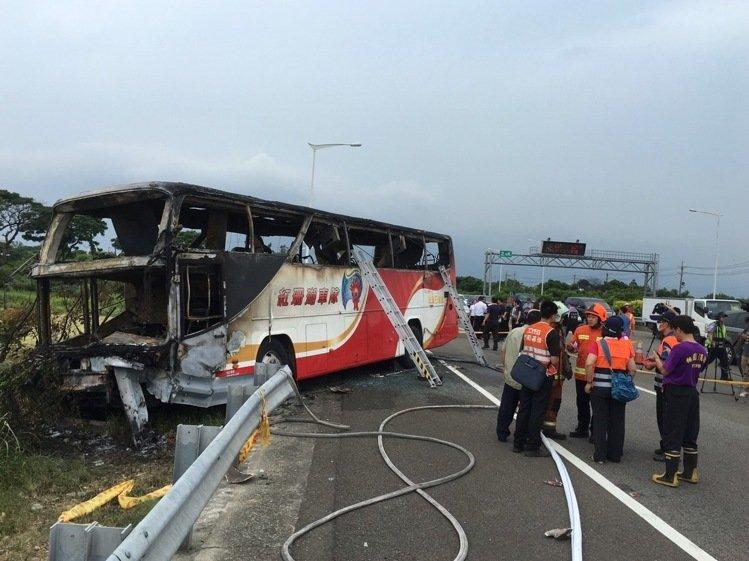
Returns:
<point x="622" y="387"/>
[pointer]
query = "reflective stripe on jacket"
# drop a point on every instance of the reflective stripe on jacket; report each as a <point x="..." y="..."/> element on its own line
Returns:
<point x="583" y="335"/>
<point x="621" y="352"/>
<point x="534" y="342"/>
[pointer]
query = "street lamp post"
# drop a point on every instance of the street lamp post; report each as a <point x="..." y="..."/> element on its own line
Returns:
<point x="715" y="258"/>
<point x="315" y="148"/>
<point x="543" y="268"/>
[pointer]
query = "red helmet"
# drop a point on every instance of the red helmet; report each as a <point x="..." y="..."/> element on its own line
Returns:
<point x="598" y="311"/>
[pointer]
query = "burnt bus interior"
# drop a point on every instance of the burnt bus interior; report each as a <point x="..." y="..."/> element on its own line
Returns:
<point x="211" y="252"/>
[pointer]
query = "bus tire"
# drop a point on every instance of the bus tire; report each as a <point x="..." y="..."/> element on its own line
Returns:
<point x="405" y="360"/>
<point x="273" y="351"/>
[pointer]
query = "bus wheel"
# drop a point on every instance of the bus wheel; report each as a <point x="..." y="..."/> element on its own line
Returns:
<point x="273" y="351"/>
<point x="405" y="359"/>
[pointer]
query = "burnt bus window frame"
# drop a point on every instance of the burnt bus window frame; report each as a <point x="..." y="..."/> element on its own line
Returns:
<point x="195" y="262"/>
<point x="328" y="243"/>
<point x="123" y="228"/>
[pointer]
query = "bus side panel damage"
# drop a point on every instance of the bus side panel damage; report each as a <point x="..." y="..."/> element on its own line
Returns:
<point x="187" y="300"/>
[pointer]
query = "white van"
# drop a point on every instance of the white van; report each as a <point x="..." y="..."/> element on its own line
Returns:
<point x="702" y="310"/>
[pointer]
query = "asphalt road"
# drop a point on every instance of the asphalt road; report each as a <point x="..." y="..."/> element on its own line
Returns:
<point x="503" y="503"/>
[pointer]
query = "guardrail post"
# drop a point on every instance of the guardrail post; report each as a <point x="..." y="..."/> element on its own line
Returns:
<point x="84" y="542"/>
<point x="158" y="536"/>
<point x="239" y="392"/>
<point x="190" y="442"/>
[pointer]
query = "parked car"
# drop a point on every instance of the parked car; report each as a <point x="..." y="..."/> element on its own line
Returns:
<point x="582" y="303"/>
<point x="735" y="323"/>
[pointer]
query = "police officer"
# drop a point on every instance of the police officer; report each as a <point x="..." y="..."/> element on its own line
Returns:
<point x="681" y="412"/>
<point x="608" y="413"/>
<point x="581" y="340"/>
<point x="716" y="347"/>
<point x="540" y="341"/>
<point x="490" y="326"/>
<point x="668" y="342"/>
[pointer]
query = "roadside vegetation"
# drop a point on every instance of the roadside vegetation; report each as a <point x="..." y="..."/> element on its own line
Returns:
<point x="615" y="292"/>
<point x="53" y="453"/>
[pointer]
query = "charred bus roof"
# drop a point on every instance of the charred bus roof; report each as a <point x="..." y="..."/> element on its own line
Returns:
<point x="90" y="201"/>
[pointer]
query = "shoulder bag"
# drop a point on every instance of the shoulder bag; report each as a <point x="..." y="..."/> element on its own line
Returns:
<point x="528" y="372"/>
<point x="622" y="387"/>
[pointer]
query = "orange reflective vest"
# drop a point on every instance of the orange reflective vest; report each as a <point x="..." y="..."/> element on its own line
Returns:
<point x="534" y="342"/>
<point x="583" y="336"/>
<point x="621" y="352"/>
<point x="668" y="343"/>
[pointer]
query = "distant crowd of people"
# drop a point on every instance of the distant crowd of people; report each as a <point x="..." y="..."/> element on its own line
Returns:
<point x="602" y="371"/>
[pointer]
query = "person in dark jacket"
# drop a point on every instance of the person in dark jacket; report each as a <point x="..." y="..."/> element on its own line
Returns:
<point x="492" y="318"/>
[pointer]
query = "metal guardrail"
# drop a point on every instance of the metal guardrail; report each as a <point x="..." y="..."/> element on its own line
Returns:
<point x="158" y="536"/>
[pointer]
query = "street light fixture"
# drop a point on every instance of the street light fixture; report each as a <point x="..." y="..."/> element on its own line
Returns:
<point x="715" y="260"/>
<point x="315" y="148"/>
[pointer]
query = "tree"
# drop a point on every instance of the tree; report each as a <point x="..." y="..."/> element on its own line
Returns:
<point x="82" y="230"/>
<point x="18" y="215"/>
<point x="470" y="285"/>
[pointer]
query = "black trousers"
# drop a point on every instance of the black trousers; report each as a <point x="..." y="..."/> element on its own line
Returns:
<point x="681" y="417"/>
<point x="476" y="323"/>
<point x="718" y="351"/>
<point x="492" y="330"/>
<point x="583" y="405"/>
<point x="507" y="405"/>
<point x="531" y="413"/>
<point x="608" y="426"/>
<point x="659" y="413"/>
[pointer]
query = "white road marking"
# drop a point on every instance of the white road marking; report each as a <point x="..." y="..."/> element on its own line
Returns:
<point x="684" y="543"/>
<point x="651" y="392"/>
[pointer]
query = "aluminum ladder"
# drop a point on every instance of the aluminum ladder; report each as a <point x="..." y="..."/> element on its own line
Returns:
<point x="393" y="313"/>
<point x="464" y="321"/>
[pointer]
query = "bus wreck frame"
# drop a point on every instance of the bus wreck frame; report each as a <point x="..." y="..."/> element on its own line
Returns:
<point x="190" y="311"/>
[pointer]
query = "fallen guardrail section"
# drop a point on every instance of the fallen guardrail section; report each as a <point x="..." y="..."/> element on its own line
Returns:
<point x="169" y="523"/>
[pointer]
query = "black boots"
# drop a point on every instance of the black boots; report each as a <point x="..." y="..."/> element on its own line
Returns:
<point x="690" y="473"/>
<point x="669" y="477"/>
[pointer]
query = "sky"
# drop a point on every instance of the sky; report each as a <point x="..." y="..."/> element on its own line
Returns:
<point x="499" y="123"/>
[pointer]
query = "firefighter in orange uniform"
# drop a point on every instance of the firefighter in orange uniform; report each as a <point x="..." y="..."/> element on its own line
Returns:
<point x="668" y="342"/>
<point x="580" y="341"/>
<point x="555" y="396"/>
<point x="542" y="342"/>
<point x="608" y="413"/>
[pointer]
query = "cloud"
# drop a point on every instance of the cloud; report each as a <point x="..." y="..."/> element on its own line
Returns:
<point x="85" y="166"/>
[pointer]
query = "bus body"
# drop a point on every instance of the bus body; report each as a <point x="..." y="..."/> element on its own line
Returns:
<point x="210" y="283"/>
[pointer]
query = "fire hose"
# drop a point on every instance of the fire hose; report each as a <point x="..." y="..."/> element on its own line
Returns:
<point x="411" y="486"/>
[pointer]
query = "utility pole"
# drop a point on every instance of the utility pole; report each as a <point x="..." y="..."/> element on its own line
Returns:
<point x="681" y="278"/>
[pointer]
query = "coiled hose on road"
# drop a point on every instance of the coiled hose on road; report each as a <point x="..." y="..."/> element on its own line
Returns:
<point x="411" y="486"/>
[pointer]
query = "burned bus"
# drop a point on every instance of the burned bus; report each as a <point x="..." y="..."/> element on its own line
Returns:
<point x="210" y="283"/>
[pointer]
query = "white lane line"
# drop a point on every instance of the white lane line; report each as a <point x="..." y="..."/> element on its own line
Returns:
<point x="651" y="392"/>
<point x="684" y="543"/>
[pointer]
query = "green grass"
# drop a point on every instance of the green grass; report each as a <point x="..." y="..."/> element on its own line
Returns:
<point x="164" y="419"/>
<point x="29" y="480"/>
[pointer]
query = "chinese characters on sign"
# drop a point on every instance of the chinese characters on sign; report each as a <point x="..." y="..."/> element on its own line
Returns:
<point x="310" y="297"/>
